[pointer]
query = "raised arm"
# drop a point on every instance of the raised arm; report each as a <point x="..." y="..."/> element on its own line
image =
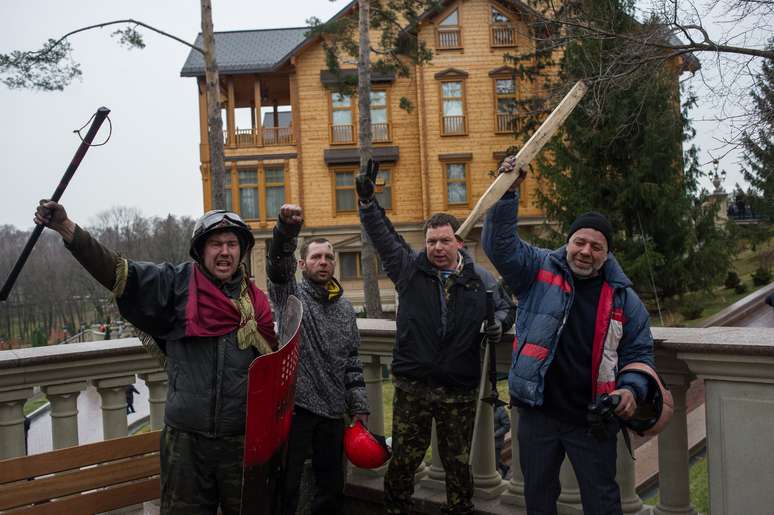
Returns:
<point x="281" y="263"/>
<point x="393" y="250"/>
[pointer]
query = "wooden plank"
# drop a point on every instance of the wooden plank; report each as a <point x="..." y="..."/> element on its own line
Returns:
<point x="525" y="156"/>
<point x="15" y="469"/>
<point x="97" y="501"/>
<point x="27" y="492"/>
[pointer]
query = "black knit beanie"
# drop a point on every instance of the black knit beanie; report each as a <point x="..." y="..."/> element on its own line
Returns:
<point x="596" y="221"/>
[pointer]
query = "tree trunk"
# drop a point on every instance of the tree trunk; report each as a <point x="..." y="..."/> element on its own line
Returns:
<point x="214" y="120"/>
<point x="373" y="302"/>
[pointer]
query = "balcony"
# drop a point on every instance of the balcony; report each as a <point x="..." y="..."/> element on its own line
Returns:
<point x="342" y="134"/>
<point x="448" y="38"/>
<point x="502" y="35"/>
<point x="264" y="137"/>
<point x="380" y="132"/>
<point x="453" y="126"/>
<point x="737" y="365"/>
<point x="506" y="122"/>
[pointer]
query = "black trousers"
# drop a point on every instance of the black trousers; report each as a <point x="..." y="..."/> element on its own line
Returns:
<point x="543" y="442"/>
<point x="324" y="436"/>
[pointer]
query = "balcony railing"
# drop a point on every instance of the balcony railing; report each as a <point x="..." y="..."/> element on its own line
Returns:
<point x="271" y="136"/>
<point x="342" y="134"/>
<point x="453" y="125"/>
<point x="505" y="122"/>
<point x="737" y="365"/>
<point x="380" y="132"/>
<point x="502" y="35"/>
<point x="449" y="38"/>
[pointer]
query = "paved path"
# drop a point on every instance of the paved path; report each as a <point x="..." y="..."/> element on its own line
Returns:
<point x="89" y="419"/>
<point x="761" y="317"/>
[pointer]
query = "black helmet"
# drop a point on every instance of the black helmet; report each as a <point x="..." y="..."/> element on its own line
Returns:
<point x="655" y="412"/>
<point x="216" y="221"/>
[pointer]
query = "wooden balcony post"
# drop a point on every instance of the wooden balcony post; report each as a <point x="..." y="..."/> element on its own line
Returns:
<point x="12" y="422"/>
<point x="112" y="390"/>
<point x="64" y="413"/>
<point x="514" y="493"/>
<point x="231" y="125"/>
<point x="258" y="121"/>
<point x="157" y="397"/>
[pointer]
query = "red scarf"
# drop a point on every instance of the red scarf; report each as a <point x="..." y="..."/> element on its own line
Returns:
<point x="209" y="312"/>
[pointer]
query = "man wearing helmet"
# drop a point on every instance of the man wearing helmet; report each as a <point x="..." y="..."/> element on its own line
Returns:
<point x="210" y="322"/>
<point x="579" y="324"/>
<point x="330" y="380"/>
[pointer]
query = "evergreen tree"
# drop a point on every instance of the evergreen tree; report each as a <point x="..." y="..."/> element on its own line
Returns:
<point x="627" y="162"/>
<point x="758" y="145"/>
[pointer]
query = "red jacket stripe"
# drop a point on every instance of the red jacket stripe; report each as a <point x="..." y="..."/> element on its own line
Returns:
<point x="554" y="279"/>
<point x="534" y="351"/>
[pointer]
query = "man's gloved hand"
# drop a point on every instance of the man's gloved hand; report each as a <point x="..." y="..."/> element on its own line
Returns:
<point x="365" y="181"/>
<point x="493" y="332"/>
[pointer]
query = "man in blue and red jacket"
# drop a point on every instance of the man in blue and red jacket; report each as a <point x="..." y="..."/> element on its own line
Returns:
<point x="578" y="323"/>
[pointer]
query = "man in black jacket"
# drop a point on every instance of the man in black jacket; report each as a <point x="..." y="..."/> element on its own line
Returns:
<point x="436" y="360"/>
<point x="211" y="322"/>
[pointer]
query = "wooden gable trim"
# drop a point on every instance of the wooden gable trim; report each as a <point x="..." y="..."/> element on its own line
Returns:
<point x="451" y="73"/>
<point x="502" y="70"/>
<point x="457" y="156"/>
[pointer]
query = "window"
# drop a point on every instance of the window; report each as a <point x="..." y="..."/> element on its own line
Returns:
<point x="248" y="193"/>
<point x="457" y="183"/>
<point x="227" y="187"/>
<point x="351" y="266"/>
<point x="384" y="189"/>
<point x="380" y="125"/>
<point x="505" y="104"/>
<point x="501" y="32"/>
<point x="448" y="32"/>
<point x="342" y="128"/>
<point x="345" y="190"/>
<point x="259" y="193"/>
<point x="452" y="100"/>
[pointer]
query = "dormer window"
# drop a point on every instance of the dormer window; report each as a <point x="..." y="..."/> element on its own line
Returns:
<point x="448" y="32"/>
<point x="501" y="29"/>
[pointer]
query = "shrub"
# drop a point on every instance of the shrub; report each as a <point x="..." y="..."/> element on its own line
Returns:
<point x="741" y="288"/>
<point x="732" y="280"/>
<point x="761" y="277"/>
<point x="691" y="307"/>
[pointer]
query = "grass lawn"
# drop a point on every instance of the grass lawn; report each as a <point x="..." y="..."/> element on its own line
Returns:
<point x="699" y="487"/>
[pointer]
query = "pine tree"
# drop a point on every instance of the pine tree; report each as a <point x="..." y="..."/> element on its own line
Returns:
<point x="627" y="162"/>
<point x="758" y="146"/>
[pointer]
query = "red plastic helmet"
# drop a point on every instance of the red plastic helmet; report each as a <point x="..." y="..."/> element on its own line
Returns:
<point x="363" y="448"/>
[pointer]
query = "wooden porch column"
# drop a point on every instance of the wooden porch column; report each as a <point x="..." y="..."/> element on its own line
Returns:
<point x="64" y="413"/>
<point x="112" y="390"/>
<point x="12" y="422"/>
<point x="157" y="396"/>
<point x="258" y="121"/>
<point x="231" y="125"/>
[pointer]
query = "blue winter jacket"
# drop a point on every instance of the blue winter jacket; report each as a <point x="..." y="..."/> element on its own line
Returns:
<point x="543" y="283"/>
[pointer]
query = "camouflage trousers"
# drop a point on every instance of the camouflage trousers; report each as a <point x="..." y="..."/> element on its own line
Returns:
<point x="413" y="413"/>
<point x="198" y="474"/>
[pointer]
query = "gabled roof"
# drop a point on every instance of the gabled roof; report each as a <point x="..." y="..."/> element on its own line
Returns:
<point x="247" y="51"/>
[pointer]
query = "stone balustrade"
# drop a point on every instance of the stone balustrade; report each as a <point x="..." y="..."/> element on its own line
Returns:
<point x="736" y="364"/>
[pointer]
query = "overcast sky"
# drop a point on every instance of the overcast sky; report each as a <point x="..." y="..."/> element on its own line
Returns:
<point x="151" y="161"/>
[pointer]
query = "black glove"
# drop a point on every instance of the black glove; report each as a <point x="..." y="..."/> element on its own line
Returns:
<point x="364" y="182"/>
<point x="493" y="332"/>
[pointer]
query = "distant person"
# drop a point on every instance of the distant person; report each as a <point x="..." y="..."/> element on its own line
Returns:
<point x="211" y="322"/>
<point x="130" y="391"/>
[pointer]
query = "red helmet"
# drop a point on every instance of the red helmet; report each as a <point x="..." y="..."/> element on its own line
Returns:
<point x="363" y="448"/>
<point x="652" y="415"/>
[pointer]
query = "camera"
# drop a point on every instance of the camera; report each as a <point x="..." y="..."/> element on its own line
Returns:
<point x="600" y="414"/>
